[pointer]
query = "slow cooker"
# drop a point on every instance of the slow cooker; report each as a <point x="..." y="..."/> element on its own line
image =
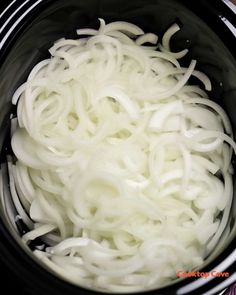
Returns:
<point x="27" y="29"/>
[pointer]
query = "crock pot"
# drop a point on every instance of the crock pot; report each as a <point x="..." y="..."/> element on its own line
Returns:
<point x="27" y="29"/>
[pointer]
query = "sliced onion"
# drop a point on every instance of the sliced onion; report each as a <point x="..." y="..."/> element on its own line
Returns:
<point x="123" y="168"/>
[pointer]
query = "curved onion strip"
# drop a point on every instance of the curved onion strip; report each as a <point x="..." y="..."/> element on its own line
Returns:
<point x="16" y="200"/>
<point x="147" y="38"/>
<point x="38" y="232"/>
<point x="90" y="32"/>
<point x="168" y="34"/>
<point x="229" y="196"/>
<point x="176" y="55"/>
<point x="126" y="27"/>
<point x="165" y="47"/>
<point x="215" y="107"/>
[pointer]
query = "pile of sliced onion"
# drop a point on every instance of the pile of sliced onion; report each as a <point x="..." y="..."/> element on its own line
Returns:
<point x="123" y="167"/>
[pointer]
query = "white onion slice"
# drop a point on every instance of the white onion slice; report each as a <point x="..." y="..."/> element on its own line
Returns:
<point x="147" y="38"/>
